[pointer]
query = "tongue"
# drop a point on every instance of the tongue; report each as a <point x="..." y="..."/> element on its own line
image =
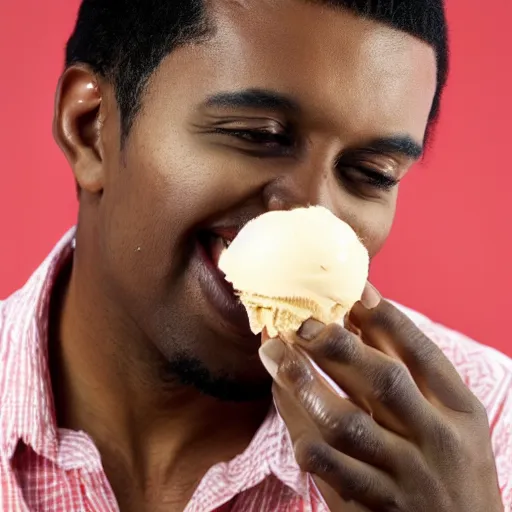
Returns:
<point x="217" y="247"/>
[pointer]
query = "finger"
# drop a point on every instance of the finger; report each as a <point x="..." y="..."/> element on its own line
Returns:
<point x="341" y="423"/>
<point x="334" y="501"/>
<point x="371" y="297"/>
<point x="376" y="382"/>
<point x="300" y="425"/>
<point x="390" y="331"/>
<point x="350" y="478"/>
<point x="264" y="335"/>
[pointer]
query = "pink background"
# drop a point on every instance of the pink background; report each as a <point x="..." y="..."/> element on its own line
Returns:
<point x="448" y="255"/>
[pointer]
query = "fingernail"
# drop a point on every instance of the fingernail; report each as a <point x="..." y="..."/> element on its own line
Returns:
<point x="350" y="325"/>
<point x="271" y="355"/>
<point x="310" y="329"/>
<point x="371" y="297"/>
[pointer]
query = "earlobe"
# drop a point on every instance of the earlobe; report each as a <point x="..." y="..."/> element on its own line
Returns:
<point x="77" y="126"/>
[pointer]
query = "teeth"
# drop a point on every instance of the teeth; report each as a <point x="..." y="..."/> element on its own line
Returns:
<point x="217" y="246"/>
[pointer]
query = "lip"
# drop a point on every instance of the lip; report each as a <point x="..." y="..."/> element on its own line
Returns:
<point x="220" y="295"/>
<point x="227" y="233"/>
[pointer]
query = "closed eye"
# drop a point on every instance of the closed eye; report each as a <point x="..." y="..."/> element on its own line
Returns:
<point x="366" y="181"/>
<point x="376" y="178"/>
<point x="268" y="139"/>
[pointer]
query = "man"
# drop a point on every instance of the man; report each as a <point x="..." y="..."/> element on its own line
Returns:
<point x="129" y="379"/>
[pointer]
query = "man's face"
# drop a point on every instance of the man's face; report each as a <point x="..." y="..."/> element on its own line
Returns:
<point x="288" y="104"/>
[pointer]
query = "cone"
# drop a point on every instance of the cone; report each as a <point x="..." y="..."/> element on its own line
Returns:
<point x="285" y="315"/>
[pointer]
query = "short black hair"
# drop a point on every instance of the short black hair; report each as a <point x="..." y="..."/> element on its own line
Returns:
<point x="124" y="41"/>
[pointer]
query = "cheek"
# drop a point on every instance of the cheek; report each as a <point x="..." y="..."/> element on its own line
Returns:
<point x="377" y="233"/>
<point x="138" y="225"/>
<point x="135" y="234"/>
<point x="372" y="222"/>
<point x="152" y="202"/>
<point x="185" y="180"/>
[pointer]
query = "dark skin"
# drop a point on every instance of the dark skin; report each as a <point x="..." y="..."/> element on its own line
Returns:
<point x="408" y="435"/>
<point x="131" y="316"/>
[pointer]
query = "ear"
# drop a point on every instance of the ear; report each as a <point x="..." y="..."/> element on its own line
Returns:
<point x="77" y="126"/>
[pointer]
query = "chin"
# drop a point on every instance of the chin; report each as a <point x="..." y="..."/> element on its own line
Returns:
<point x="200" y="352"/>
<point x="247" y="381"/>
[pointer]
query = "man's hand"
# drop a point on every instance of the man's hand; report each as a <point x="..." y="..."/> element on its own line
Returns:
<point x="409" y="435"/>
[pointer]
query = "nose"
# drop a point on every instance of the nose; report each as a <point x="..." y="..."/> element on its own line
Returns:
<point x="309" y="183"/>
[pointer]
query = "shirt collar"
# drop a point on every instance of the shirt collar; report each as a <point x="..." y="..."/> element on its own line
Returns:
<point x="269" y="453"/>
<point x="28" y="413"/>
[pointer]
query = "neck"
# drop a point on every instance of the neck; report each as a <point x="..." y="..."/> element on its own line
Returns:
<point x="106" y="384"/>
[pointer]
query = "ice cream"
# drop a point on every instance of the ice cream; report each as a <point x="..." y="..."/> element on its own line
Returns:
<point x="289" y="266"/>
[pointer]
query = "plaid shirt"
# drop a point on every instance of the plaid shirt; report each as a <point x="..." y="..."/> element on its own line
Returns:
<point x="50" y="469"/>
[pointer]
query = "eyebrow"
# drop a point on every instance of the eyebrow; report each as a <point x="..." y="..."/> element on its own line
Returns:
<point x="400" y="144"/>
<point x="253" y="98"/>
<point x="263" y="99"/>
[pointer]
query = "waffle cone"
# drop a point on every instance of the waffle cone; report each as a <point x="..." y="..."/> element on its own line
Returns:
<point x="284" y="315"/>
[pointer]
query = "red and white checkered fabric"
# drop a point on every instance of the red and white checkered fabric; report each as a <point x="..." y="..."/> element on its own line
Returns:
<point x="47" y="469"/>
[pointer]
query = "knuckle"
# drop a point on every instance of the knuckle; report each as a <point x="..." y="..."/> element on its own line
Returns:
<point x="450" y="435"/>
<point x="362" y="485"/>
<point x="313" y="456"/>
<point x="353" y="487"/>
<point x="354" y="433"/>
<point x="391" y="503"/>
<point x="478" y="410"/>
<point x="353" y="427"/>
<point x="448" y="441"/>
<point x="391" y="381"/>
<point x="390" y="320"/>
<point x="386" y="317"/>
<point x="434" y="495"/>
<point x="293" y="371"/>
<point x="339" y="345"/>
<point x="413" y="463"/>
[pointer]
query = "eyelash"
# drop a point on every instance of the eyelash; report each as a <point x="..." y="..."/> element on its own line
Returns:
<point x="283" y="142"/>
<point x="377" y="179"/>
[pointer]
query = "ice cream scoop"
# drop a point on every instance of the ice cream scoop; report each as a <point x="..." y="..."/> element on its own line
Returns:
<point x="290" y="266"/>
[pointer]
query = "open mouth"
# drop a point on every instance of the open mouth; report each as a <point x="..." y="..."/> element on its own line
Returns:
<point x="213" y="244"/>
<point x="219" y="293"/>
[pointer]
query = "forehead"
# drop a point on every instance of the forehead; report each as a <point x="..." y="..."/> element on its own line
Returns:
<point x="343" y="69"/>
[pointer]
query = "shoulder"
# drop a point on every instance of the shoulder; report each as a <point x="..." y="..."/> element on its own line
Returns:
<point x="22" y="318"/>
<point x="12" y="313"/>
<point x="25" y="312"/>
<point x="18" y="320"/>
<point x="17" y="313"/>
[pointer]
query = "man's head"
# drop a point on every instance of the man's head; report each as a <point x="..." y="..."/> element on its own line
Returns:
<point x="186" y="122"/>
<point x="125" y="41"/>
